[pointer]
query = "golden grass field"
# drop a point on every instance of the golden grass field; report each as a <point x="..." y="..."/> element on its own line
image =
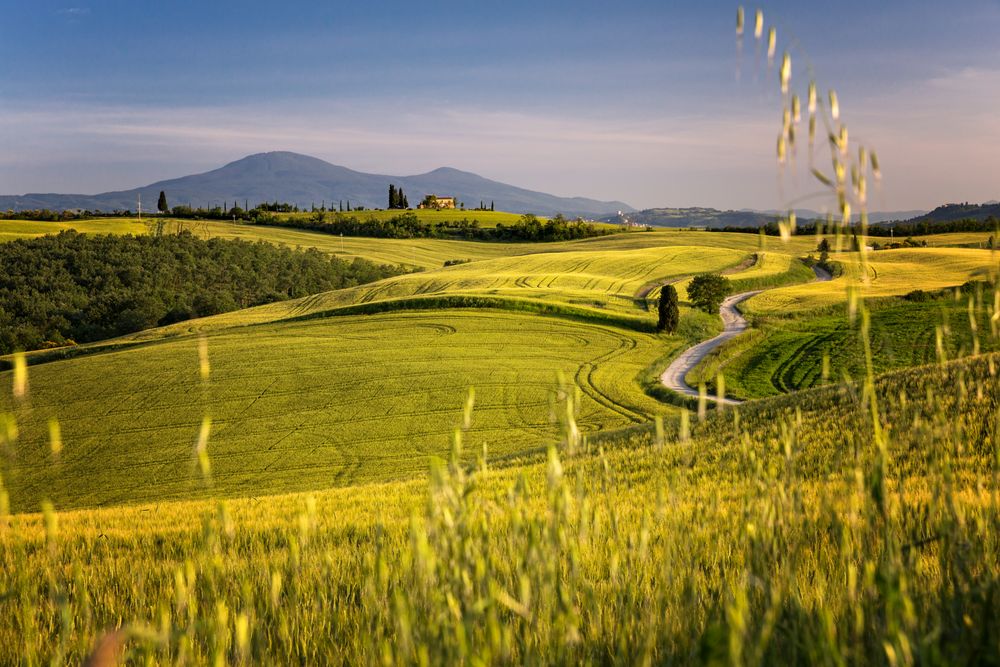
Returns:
<point x="882" y="273"/>
<point x="251" y="487"/>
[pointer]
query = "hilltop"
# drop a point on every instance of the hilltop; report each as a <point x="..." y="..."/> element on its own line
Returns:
<point x="711" y="218"/>
<point x="304" y="181"/>
<point x="956" y="212"/>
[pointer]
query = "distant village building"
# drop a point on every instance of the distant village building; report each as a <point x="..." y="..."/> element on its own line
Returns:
<point x="434" y="201"/>
<point x="623" y="220"/>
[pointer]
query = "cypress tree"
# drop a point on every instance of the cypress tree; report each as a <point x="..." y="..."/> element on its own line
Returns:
<point x="161" y="204"/>
<point x="392" y="196"/>
<point x="669" y="314"/>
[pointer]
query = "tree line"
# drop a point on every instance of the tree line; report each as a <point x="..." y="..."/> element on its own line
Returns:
<point x="901" y="229"/>
<point x="409" y="225"/>
<point x="72" y="287"/>
<point x="397" y="198"/>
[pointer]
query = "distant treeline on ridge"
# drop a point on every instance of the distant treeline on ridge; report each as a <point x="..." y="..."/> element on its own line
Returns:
<point x="409" y="225"/>
<point x="405" y="225"/>
<point x="898" y="229"/>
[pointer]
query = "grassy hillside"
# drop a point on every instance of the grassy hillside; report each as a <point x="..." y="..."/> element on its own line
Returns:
<point x="427" y="253"/>
<point x="886" y="273"/>
<point x="310" y="405"/>
<point x="795" y="533"/>
<point x="288" y="397"/>
<point x="796" y="529"/>
<point x="21" y="229"/>
<point x="788" y="354"/>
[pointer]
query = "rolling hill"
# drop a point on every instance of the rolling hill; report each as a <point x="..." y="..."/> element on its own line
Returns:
<point x="304" y="180"/>
<point x="712" y="218"/>
<point x="955" y="212"/>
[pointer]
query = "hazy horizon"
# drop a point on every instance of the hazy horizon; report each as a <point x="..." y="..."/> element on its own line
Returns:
<point x="649" y="104"/>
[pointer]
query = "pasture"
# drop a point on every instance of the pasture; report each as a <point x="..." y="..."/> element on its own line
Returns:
<point x="882" y="273"/>
<point x="468" y="566"/>
<point x="789" y="354"/>
<point x="310" y="405"/>
<point x="21" y="229"/>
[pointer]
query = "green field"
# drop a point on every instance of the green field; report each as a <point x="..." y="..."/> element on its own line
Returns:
<point x="272" y="505"/>
<point x="317" y="404"/>
<point x="882" y="273"/>
<point x="471" y="565"/>
<point x="788" y="354"/>
<point x="20" y="229"/>
<point x="806" y="336"/>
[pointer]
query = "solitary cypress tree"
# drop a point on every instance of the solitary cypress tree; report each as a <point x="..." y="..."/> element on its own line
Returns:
<point x="392" y="196"/>
<point x="161" y="205"/>
<point x="669" y="314"/>
<point x="491" y="206"/>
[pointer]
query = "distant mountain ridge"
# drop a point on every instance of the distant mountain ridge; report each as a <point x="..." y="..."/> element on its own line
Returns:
<point x="955" y="212"/>
<point x="712" y="218"/>
<point x="304" y="181"/>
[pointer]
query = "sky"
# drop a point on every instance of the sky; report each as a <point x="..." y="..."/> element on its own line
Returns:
<point x="653" y="103"/>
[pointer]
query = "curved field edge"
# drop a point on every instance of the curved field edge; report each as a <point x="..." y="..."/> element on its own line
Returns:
<point x="788" y="492"/>
<point x="317" y="403"/>
<point x="884" y="273"/>
<point x="621" y="307"/>
<point x="782" y="355"/>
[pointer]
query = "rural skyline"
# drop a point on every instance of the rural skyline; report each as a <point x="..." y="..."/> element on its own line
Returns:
<point x="651" y="104"/>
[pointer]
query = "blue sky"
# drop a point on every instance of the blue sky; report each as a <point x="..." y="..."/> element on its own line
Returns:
<point x="649" y="102"/>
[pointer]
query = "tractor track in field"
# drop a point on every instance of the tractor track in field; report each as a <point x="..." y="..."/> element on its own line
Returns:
<point x="733" y="325"/>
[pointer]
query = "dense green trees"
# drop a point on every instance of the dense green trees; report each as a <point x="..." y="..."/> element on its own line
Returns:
<point x="668" y="311"/>
<point x="397" y="198"/>
<point x="409" y="225"/>
<point x="77" y="287"/>
<point x="917" y="227"/>
<point x="708" y="290"/>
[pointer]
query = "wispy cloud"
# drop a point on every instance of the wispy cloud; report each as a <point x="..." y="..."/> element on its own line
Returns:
<point x="74" y="12"/>
<point x="934" y="146"/>
<point x="581" y="155"/>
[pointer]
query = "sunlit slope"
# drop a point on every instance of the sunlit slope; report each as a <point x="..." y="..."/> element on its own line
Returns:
<point x="26" y="229"/>
<point x="649" y="508"/>
<point x="424" y="253"/>
<point x="789" y="354"/>
<point x="603" y="281"/>
<point x="315" y="404"/>
<point x="889" y="273"/>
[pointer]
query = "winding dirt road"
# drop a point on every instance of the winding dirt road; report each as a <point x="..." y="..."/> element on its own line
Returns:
<point x="733" y="324"/>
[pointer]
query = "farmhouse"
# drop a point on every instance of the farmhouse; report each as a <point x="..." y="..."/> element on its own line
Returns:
<point x="434" y="201"/>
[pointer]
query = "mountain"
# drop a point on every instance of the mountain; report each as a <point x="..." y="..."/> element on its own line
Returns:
<point x="694" y="217"/>
<point x="713" y="218"/>
<point x="956" y="212"/>
<point x="873" y="216"/>
<point x="303" y="180"/>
